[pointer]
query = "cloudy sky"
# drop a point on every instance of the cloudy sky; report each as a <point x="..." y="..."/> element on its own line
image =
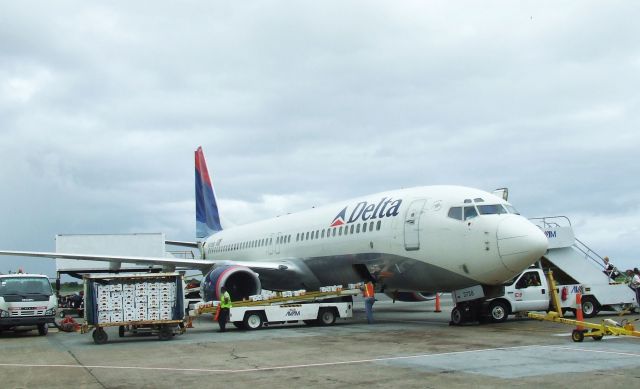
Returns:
<point x="298" y="103"/>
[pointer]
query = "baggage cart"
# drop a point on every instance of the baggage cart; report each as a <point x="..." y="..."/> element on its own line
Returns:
<point x="135" y="303"/>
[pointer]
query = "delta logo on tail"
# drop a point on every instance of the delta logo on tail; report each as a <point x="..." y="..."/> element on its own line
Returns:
<point x="363" y="211"/>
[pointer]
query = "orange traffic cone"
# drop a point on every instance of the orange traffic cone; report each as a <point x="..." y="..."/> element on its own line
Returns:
<point x="579" y="310"/>
<point x="437" y="303"/>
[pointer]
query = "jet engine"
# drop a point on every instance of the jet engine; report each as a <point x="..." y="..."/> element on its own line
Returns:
<point x="240" y="281"/>
<point x="410" y="296"/>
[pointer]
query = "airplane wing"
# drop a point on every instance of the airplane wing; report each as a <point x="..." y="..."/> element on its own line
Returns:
<point x="200" y="264"/>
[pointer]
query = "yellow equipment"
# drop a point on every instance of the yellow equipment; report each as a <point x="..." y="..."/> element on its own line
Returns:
<point x="596" y="331"/>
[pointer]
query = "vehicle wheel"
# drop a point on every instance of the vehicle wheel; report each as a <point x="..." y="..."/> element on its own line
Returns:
<point x="577" y="335"/>
<point x="498" y="311"/>
<point x="456" y="316"/>
<point x="100" y="336"/>
<point x="311" y="322"/>
<point x="590" y="306"/>
<point x="121" y="331"/>
<point x="238" y="324"/>
<point x="43" y="329"/>
<point x="326" y="317"/>
<point x="166" y="333"/>
<point x="252" y="320"/>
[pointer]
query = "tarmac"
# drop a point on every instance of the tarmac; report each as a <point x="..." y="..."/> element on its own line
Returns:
<point x="409" y="346"/>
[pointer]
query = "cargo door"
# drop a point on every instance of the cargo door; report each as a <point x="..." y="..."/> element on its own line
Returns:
<point x="412" y="225"/>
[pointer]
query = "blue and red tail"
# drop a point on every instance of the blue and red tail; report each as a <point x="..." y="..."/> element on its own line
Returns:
<point x="207" y="217"/>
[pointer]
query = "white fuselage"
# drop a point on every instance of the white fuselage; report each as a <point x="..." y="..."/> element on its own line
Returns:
<point x="410" y="239"/>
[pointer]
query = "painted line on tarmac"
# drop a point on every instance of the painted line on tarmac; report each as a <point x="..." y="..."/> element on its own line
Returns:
<point x="620" y="353"/>
<point x="286" y="367"/>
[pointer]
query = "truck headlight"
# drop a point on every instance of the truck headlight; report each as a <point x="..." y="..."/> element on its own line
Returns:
<point x="4" y="313"/>
<point x="50" y="311"/>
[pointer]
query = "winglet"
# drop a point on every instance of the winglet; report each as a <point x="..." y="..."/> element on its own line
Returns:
<point x="207" y="217"/>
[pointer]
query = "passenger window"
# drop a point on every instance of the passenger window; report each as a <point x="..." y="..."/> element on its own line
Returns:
<point x="364" y="227"/>
<point x="317" y="234"/>
<point x="470" y="212"/>
<point x="455" y="213"/>
<point x="306" y="236"/>
<point x="334" y="231"/>
<point x="358" y="229"/>
<point x="378" y="225"/>
<point x="340" y="231"/>
<point x="322" y="234"/>
<point x="351" y="229"/>
<point x="371" y="226"/>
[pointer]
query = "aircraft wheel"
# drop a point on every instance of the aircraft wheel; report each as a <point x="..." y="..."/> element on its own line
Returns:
<point x="456" y="316"/>
<point x="100" y="336"/>
<point x="590" y="306"/>
<point x="43" y="329"/>
<point x="253" y="320"/>
<point x="498" y="311"/>
<point x="577" y="335"/>
<point x="326" y="316"/>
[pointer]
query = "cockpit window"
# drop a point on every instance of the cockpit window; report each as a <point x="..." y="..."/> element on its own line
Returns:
<point x="479" y="200"/>
<point x="470" y="213"/>
<point x="493" y="209"/>
<point x="511" y="209"/>
<point x="455" y="213"/>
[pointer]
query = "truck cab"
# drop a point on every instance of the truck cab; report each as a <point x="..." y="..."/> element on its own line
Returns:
<point x="26" y="300"/>
<point x="528" y="291"/>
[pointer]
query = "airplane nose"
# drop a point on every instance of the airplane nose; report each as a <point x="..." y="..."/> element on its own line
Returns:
<point x="520" y="242"/>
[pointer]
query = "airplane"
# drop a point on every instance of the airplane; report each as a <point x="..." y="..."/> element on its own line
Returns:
<point x="413" y="242"/>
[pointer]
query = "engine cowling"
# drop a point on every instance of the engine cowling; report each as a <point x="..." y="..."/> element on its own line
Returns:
<point x="240" y="281"/>
<point x="411" y="296"/>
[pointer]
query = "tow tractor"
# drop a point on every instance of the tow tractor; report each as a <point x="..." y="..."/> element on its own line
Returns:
<point x="313" y="308"/>
<point x="593" y="330"/>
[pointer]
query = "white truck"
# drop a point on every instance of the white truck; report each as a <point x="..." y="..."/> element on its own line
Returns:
<point x="26" y="300"/>
<point x="530" y="291"/>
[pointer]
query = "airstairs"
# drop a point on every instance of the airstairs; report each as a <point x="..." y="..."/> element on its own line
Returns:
<point x="573" y="262"/>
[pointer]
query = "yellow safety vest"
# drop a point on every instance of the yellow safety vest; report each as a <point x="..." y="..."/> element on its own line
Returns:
<point x="225" y="301"/>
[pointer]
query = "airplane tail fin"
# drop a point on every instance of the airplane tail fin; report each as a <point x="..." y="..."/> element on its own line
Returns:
<point x="207" y="217"/>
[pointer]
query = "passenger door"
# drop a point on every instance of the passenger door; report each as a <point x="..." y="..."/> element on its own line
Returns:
<point x="412" y="225"/>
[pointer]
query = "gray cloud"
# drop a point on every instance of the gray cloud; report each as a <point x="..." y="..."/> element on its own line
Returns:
<point x="301" y="103"/>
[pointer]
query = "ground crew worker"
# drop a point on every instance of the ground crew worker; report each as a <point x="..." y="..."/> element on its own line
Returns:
<point x="369" y="300"/>
<point x="225" y="305"/>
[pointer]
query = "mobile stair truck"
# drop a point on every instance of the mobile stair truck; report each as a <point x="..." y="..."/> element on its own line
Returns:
<point x="575" y="268"/>
<point x="26" y="300"/>
<point x="321" y="307"/>
<point x="137" y="303"/>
